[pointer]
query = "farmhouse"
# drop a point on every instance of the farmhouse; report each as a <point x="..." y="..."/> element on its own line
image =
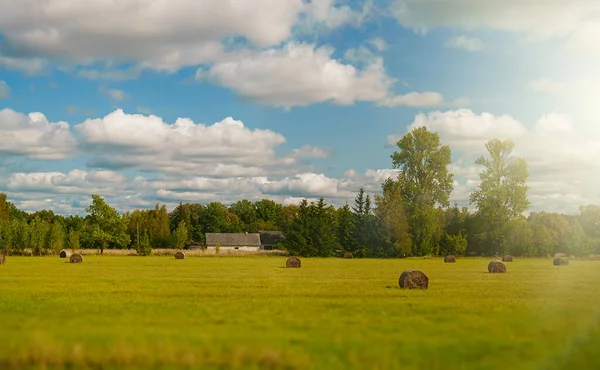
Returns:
<point x="268" y="239"/>
<point x="236" y="241"/>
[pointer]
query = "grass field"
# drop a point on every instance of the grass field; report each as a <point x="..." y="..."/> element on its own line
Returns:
<point x="248" y="312"/>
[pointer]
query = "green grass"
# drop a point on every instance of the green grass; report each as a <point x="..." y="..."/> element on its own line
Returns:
<point x="223" y="312"/>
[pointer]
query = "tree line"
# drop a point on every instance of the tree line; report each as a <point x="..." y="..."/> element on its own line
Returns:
<point x="411" y="216"/>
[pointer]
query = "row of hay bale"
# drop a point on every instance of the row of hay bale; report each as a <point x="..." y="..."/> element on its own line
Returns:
<point x="451" y="259"/>
<point x="416" y="279"/>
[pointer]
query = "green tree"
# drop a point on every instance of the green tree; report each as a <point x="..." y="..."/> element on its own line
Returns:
<point x="56" y="239"/>
<point x="143" y="248"/>
<point x="345" y="228"/>
<point x="246" y="212"/>
<point x="502" y="194"/>
<point x="180" y="235"/>
<point x="38" y="241"/>
<point x="392" y="219"/>
<point x="73" y="240"/>
<point x="106" y="228"/>
<point x="426" y="184"/>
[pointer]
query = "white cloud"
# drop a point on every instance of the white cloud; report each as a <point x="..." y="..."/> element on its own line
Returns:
<point x="117" y="95"/>
<point x="69" y="192"/>
<point x="226" y="148"/>
<point x="299" y="75"/>
<point x="536" y="18"/>
<point x="34" y="136"/>
<point x="157" y="34"/>
<point x="4" y="90"/>
<point x="557" y="152"/>
<point x="108" y="74"/>
<point x="577" y="21"/>
<point x="470" y="44"/>
<point x="546" y="85"/>
<point x="379" y="44"/>
<point x="414" y="99"/>
<point x="29" y="66"/>
<point x="334" y="13"/>
<point x="74" y="182"/>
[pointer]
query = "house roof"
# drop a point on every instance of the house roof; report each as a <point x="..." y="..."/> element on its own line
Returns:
<point x="233" y="239"/>
<point x="271" y="237"/>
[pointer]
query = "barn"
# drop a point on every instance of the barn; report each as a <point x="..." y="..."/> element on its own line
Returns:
<point x="268" y="239"/>
<point x="233" y="241"/>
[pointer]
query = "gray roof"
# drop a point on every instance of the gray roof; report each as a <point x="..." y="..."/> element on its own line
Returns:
<point x="233" y="239"/>
<point x="271" y="237"/>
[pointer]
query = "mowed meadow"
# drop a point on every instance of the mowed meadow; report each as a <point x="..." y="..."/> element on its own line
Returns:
<point x="251" y="312"/>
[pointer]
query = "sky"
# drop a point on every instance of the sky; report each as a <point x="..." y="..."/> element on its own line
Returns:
<point x="168" y="101"/>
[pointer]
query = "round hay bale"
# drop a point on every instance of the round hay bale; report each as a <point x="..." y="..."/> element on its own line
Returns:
<point x="64" y="254"/>
<point x="450" y="259"/>
<point x="413" y="279"/>
<point x="348" y="255"/>
<point x="561" y="261"/>
<point x="293" y="262"/>
<point x="179" y="255"/>
<point x="496" y="267"/>
<point x="507" y="258"/>
<point x="76" y="258"/>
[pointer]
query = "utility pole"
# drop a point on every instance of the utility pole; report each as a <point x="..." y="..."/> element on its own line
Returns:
<point x="138" y="232"/>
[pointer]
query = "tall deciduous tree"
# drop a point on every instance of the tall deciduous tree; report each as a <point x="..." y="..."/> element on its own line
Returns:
<point x="106" y="228"/>
<point x="502" y="194"/>
<point x="425" y="184"/>
<point x="180" y="235"/>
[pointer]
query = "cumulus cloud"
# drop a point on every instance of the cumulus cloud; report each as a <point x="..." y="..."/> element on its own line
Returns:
<point x="225" y="148"/>
<point x="414" y="99"/>
<point x="466" y="43"/>
<point x="299" y="75"/>
<point x="557" y="153"/>
<point x="157" y="34"/>
<point x="4" y="90"/>
<point x="34" y="136"/>
<point x="73" y="182"/>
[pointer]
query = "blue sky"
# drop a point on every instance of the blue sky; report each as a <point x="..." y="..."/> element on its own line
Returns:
<point x="318" y="92"/>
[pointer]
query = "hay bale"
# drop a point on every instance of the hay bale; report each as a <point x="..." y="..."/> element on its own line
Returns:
<point x="179" y="255"/>
<point x="507" y="258"/>
<point x="64" y="254"/>
<point x="348" y="255"/>
<point x="496" y="267"/>
<point x="76" y="258"/>
<point x="413" y="279"/>
<point x="450" y="259"/>
<point x="561" y="261"/>
<point x="2" y="259"/>
<point x="293" y="262"/>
